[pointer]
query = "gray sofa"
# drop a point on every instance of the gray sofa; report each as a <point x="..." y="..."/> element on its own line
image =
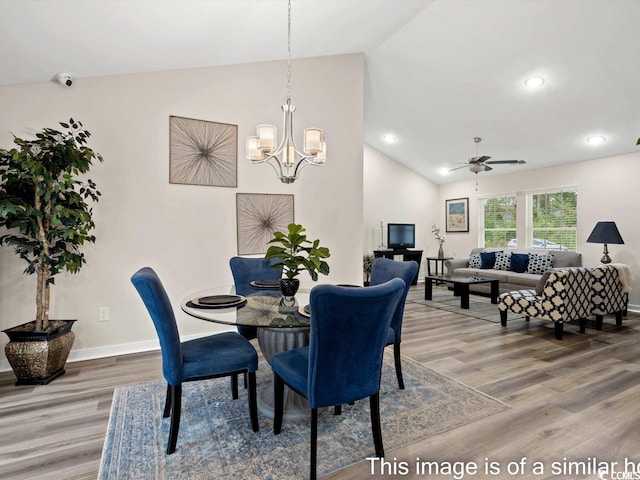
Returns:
<point x="509" y="280"/>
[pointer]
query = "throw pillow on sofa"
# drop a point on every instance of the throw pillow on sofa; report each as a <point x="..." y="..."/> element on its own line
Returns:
<point x="503" y="259"/>
<point x="542" y="282"/>
<point x="475" y="261"/>
<point x="488" y="259"/>
<point x="539" y="263"/>
<point x="519" y="262"/>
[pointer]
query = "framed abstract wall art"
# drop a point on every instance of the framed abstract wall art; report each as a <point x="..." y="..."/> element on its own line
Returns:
<point x="258" y="216"/>
<point x="203" y="152"/>
<point x="457" y="215"/>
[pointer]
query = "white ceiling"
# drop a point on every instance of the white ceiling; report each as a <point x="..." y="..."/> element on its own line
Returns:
<point x="439" y="72"/>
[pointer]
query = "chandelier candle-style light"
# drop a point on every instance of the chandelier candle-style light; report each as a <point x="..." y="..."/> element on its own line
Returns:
<point x="286" y="159"/>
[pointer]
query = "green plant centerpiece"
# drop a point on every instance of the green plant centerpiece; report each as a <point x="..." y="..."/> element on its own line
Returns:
<point x="44" y="206"/>
<point x="297" y="254"/>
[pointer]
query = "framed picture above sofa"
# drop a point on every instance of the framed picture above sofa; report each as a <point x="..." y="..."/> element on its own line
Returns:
<point x="457" y="215"/>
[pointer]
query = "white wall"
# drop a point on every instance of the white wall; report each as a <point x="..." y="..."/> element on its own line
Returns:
<point x="607" y="190"/>
<point x="393" y="193"/>
<point x="187" y="233"/>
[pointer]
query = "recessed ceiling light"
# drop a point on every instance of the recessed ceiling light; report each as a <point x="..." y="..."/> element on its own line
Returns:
<point x="444" y="171"/>
<point x="389" y="138"/>
<point x="596" y="140"/>
<point x="534" y="82"/>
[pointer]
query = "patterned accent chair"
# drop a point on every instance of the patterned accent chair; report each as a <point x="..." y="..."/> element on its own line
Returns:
<point x="610" y="293"/>
<point x="566" y="296"/>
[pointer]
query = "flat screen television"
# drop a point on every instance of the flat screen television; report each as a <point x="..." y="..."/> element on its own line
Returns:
<point x="401" y="235"/>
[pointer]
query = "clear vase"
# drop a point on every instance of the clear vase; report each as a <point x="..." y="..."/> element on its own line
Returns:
<point x="440" y="252"/>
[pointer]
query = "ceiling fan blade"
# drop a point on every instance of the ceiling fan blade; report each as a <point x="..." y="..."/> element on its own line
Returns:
<point x="458" y="168"/>
<point x="487" y="168"/>
<point x="495" y="162"/>
<point x="476" y="160"/>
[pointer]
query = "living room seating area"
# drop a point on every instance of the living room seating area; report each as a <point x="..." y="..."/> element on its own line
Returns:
<point x="516" y="269"/>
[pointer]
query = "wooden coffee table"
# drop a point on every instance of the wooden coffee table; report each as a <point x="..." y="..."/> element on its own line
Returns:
<point x="460" y="286"/>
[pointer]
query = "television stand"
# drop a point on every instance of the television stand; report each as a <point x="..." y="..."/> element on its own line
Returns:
<point x="407" y="255"/>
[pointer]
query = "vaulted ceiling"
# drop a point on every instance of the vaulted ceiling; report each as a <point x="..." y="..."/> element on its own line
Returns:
<point x="438" y="72"/>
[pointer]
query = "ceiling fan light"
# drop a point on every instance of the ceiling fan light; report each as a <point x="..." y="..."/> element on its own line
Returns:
<point x="475" y="168"/>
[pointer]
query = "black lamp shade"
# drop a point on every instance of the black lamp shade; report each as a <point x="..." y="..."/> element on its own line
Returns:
<point x="605" y="232"/>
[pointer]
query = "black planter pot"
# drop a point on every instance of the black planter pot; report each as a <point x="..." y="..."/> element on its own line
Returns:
<point x="289" y="286"/>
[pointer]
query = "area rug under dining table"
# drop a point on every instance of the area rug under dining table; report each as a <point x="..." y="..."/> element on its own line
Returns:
<point x="216" y="440"/>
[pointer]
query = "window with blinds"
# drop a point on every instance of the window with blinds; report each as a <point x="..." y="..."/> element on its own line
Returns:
<point x="554" y="220"/>
<point x="498" y="223"/>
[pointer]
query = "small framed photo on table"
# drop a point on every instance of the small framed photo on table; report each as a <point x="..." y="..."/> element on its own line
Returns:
<point x="457" y="215"/>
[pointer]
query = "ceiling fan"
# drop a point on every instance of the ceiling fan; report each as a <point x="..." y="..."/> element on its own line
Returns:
<point x="480" y="164"/>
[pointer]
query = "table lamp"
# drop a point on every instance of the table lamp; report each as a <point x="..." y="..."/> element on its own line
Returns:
<point x="605" y="232"/>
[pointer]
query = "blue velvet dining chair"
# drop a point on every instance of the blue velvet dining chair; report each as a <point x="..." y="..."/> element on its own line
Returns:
<point x="383" y="270"/>
<point x="220" y="355"/>
<point x="247" y="269"/>
<point x="343" y="361"/>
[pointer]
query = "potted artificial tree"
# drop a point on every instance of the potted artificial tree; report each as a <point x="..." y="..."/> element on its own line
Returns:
<point x="367" y="266"/>
<point x="43" y="205"/>
<point x="297" y="254"/>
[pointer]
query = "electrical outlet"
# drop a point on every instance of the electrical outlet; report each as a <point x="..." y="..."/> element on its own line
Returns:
<point x="103" y="314"/>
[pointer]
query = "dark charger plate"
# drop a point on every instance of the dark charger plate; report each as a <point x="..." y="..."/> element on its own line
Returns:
<point x="271" y="283"/>
<point x="217" y="301"/>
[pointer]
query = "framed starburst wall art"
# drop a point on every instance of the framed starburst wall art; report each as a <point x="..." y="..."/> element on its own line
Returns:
<point x="202" y="152"/>
<point x="258" y="216"/>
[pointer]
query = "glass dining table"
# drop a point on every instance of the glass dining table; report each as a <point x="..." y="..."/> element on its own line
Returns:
<point x="282" y="324"/>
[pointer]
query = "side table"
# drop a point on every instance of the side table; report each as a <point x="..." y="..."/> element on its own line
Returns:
<point x="439" y="266"/>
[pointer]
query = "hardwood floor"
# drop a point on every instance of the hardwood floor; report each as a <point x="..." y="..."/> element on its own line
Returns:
<point x="573" y="399"/>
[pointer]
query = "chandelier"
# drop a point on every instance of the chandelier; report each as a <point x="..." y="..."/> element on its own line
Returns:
<point x="286" y="159"/>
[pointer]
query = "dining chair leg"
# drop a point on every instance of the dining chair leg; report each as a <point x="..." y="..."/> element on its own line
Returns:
<point x="314" y="444"/>
<point x="253" y="404"/>
<point x="396" y="360"/>
<point x="374" y="403"/>
<point x="234" y="386"/>
<point x="337" y="409"/>
<point x="278" y="403"/>
<point x="167" y="403"/>
<point x="176" y="401"/>
<point x="245" y="379"/>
